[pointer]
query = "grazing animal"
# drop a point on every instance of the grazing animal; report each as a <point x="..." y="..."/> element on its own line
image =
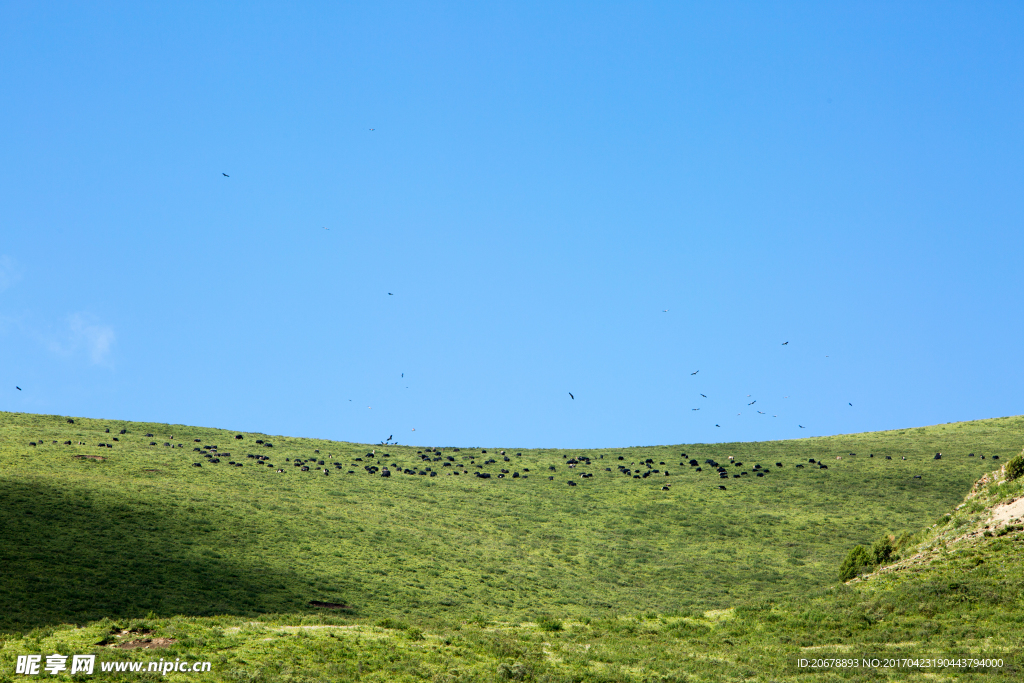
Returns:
<point x="721" y="488"/>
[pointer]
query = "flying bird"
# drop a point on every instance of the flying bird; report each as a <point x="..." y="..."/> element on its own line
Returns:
<point x="571" y="396"/>
<point x="414" y="429"/>
<point x="760" y="413"/>
<point x="665" y="311"/>
<point x="225" y="175"/>
<point x="18" y="388"/>
<point x="372" y="129"/>
<point x="389" y="438"/>
<point x="703" y="395"/>
<point x="718" y="425"/>
<point x="850" y="404"/>
<point x="752" y="402"/>
<point x="403" y="374"/>
<point x="784" y="343"/>
<point x="695" y="372"/>
<point x="390" y="294"/>
<point x="801" y="427"/>
<point x="694" y="408"/>
<point x="326" y="228"/>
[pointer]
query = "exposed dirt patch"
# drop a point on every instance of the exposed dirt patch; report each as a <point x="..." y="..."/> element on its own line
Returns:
<point x="1002" y="514"/>
<point x="146" y="644"/>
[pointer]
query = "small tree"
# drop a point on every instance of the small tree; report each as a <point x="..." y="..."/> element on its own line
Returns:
<point x="855" y="563"/>
<point x="883" y="551"/>
<point x="1015" y="468"/>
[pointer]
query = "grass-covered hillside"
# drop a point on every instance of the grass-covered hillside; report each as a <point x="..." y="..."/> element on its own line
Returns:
<point x="457" y="577"/>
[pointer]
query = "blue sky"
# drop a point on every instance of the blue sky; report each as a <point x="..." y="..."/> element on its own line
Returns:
<point x="543" y="182"/>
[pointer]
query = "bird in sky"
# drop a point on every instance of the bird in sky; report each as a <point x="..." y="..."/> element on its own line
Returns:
<point x="784" y="343"/>
<point x="801" y="427"/>
<point x="18" y="388"/>
<point x="752" y="402"/>
<point x="403" y="374"/>
<point x="414" y="429"/>
<point x="389" y="438"/>
<point x="718" y="425"/>
<point x="760" y="413"/>
<point x="694" y="408"/>
<point x="703" y="395"/>
<point x="225" y="175"/>
<point x="571" y="396"/>
<point x="372" y="129"/>
<point x="665" y="311"/>
<point x="695" y="372"/>
<point x="850" y="404"/>
<point x="326" y="228"/>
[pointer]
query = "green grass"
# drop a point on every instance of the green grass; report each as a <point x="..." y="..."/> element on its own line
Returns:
<point x="458" y="578"/>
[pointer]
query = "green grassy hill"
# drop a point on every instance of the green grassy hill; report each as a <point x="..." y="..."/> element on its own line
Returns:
<point x="457" y="576"/>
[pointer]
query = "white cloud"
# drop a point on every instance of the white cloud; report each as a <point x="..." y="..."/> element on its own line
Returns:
<point x="85" y="334"/>
<point x="10" y="272"/>
<point x="96" y="338"/>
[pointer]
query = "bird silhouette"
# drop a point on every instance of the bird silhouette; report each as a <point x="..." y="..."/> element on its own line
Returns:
<point x="571" y="396"/>
<point x="784" y="343"/>
<point x="695" y="372"/>
<point x="718" y="425"/>
<point x="18" y="388"/>
<point x="390" y="294"/>
<point x="326" y="228"/>
<point x="665" y="311"/>
<point x="389" y="438"/>
<point x="225" y="175"/>
<point x="752" y="402"/>
<point x="703" y="395"/>
<point x="760" y="413"/>
<point x="372" y="129"/>
<point x="850" y="404"/>
<point x="403" y="374"/>
<point x="694" y="408"/>
<point x="801" y="427"/>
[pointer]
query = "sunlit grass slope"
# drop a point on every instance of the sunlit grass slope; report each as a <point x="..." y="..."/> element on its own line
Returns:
<point x="144" y="532"/>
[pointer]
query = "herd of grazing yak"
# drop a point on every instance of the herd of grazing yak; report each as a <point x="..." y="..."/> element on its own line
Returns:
<point x="458" y="462"/>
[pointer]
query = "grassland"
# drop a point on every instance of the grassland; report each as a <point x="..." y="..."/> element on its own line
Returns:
<point x="460" y="578"/>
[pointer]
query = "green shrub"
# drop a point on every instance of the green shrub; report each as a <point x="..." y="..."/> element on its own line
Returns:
<point x="1015" y="468"/>
<point x="513" y="672"/>
<point x="549" y="624"/>
<point x="391" y="623"/>
<point x="855" y="563"/>
<point x="883" y="551"/>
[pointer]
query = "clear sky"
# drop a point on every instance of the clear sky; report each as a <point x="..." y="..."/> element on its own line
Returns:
<point x="522" y="200"/>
